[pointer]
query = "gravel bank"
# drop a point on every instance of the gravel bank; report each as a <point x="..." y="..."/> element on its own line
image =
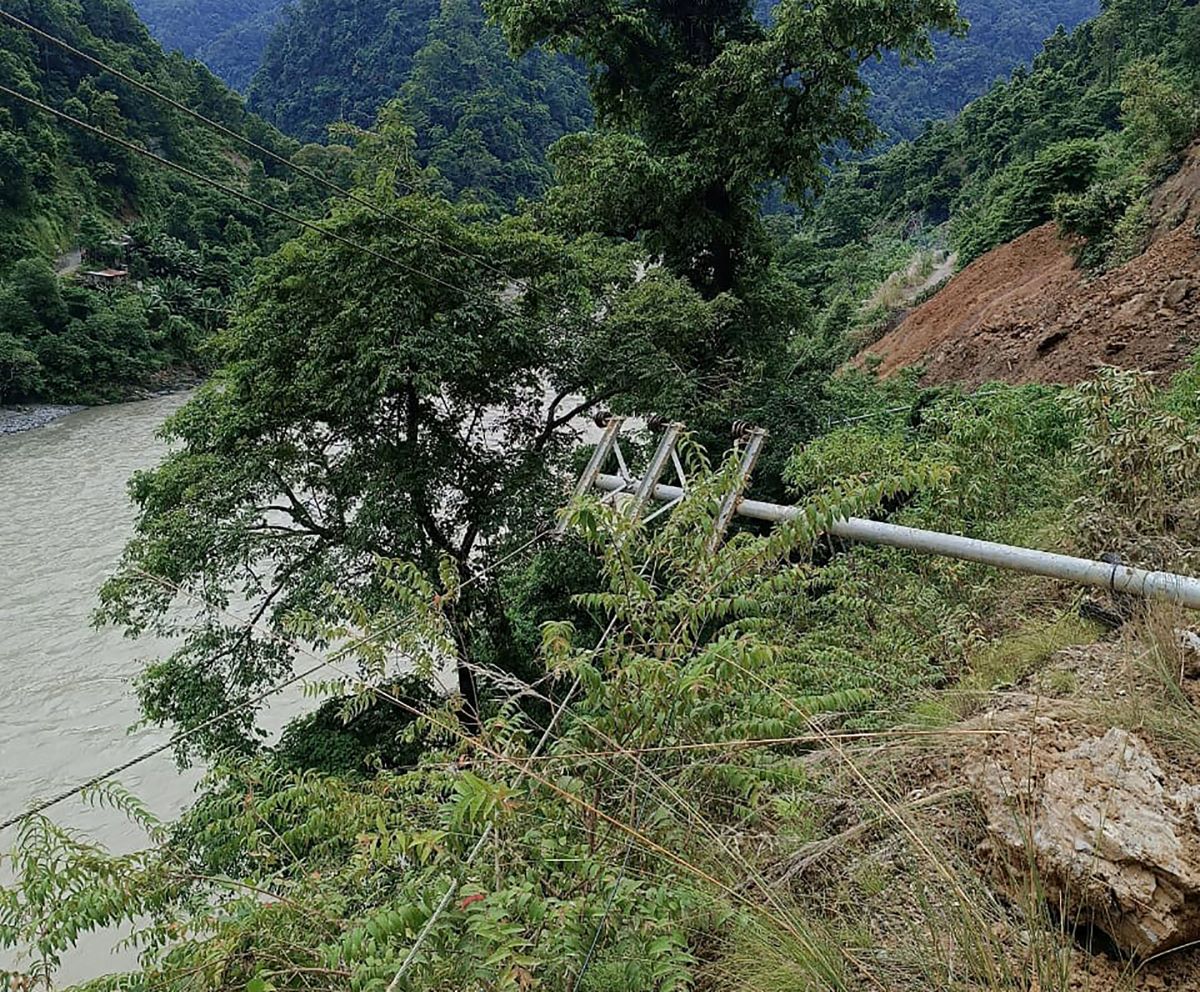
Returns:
<point x="15" y="419"/>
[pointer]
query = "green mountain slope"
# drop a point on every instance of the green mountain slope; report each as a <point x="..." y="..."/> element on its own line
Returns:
<point x="483" y="119"/>
<point x="331" y="60"/>
<point x="1082" y="137"/>
<point x="1003" y="35"/>
<point x="226" y="35"/>
<point x="1000" y="166"/>
<point x="61" y="186"/>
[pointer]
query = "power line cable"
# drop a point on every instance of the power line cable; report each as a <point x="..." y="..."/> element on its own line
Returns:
<point x="247" y="142"/>
<point x="245" y="197"/>
<point x="174" y="741"/>
<point x="185" y="735"/>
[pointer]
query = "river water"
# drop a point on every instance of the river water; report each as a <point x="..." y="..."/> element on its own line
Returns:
<point x="67" y="705"/>
<point x="67" y="702"/>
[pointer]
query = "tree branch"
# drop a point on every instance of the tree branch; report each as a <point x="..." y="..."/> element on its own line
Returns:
<point x="553" y="423"/>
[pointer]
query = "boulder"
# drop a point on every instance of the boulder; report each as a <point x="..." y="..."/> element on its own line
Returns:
<point x="1176" y="293"/>
<point x="1115" y="843"/>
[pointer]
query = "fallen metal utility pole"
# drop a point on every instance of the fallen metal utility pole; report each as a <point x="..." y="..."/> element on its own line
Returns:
<point x="1181" y="589"/>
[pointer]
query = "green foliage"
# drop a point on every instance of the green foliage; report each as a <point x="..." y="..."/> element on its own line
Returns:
<point x="337" y="741"/>
<point x="701" y="111"/>
<point x="1016" y="199"/>
<point x="20" y="371"/>
<point x="228" y="36"/>
<point x="1003" y="459"/>
<point x="1140" y="458"/>
<point x="363" y="408"/>
<point x="303" y="84"/>
<point x="67" y="887"/>
<point x="73" y="344"/>
<point x="1095" y="216"/>
<point x="1127" y="79"/>
<point x="1158" y="112"/>
<point x="63" y="188"/>
<point x="1001" y="37"/>
<point x="483" y="119"/>
<point x="1007" y="662"/>
<point x="1061" y="140"/>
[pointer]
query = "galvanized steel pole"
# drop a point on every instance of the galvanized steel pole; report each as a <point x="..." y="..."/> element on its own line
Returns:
<point x="1180" y="589"/>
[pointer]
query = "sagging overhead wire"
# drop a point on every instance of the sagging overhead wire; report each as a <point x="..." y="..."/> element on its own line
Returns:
<point x="246" y="142"/>
<point x="229" y="190"/>
<point x="185" y="735"/>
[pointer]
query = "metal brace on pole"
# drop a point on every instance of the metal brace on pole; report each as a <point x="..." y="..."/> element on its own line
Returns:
<point x="1181" y="589"/>
<point x="1115" y="577"/>
<point x="654" y="471"/>
<point x="608" y="441"/>
<point x="755" y="438"/>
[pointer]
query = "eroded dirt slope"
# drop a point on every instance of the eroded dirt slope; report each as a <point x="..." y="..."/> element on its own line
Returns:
<point x="1025" y="313"/>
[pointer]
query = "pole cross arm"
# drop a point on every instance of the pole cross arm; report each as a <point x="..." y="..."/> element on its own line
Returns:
<point x="755" y="439"/>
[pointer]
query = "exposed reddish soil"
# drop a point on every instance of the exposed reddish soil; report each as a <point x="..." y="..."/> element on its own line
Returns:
<point x="1025" y="313"/>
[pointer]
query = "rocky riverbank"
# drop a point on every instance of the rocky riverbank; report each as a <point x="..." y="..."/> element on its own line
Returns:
<point x="15" y="419"/>
<point x="27" y="417"/>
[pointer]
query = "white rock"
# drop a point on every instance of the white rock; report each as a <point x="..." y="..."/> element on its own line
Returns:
<point x="1113" y="843"/>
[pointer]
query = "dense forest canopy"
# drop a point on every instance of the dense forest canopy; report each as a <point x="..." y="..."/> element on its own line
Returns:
<point x="485" y="120"/>
<point x="231" y="38"/>
<point x="62" y="188"/>
<point x="228" y="36"/>
<point x="1080" y="137"/>
<point x="337" y="61"/>
<point x="1003" y="34"/>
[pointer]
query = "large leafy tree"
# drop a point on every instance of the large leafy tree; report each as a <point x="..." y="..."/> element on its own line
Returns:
<point x="402" y="397"/>
<point x="704" y="103"/>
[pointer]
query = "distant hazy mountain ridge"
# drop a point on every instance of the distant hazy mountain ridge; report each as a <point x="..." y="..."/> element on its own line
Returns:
<point x="1003" y="35"/>
<point x="228" y="36"/>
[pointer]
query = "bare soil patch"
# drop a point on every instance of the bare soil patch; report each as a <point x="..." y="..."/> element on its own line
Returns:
<point x="1025" y="313"/>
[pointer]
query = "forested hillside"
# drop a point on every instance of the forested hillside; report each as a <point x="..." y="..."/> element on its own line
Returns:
<point x="228" y="36"/>
<point x="1003" y="34"/>
<point x="1000" y="166"/>
<point x="231" y="38"/>
<point x="340" y="60"/>
<point x="62" y="187"/>
<point x="486" y="122"/>
<point x="1081" y="138"/>
<point x="482" y="118"/>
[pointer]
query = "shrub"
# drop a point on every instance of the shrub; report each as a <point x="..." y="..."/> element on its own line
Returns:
<point x="1159" y="116"/>
<point x="1140" y="458"/>
<point x="1019" y="198"/>
<point x="1095" y="215"/>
